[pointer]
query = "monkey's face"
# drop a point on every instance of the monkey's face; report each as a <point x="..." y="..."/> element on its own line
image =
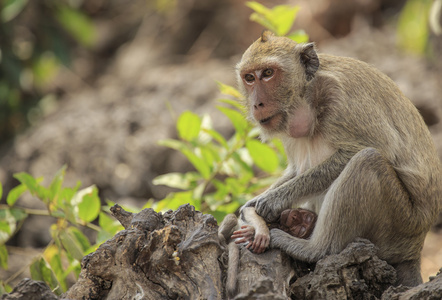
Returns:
<point x="272" y="77"/>
<point x="298" y="222"/>
<point x="264" y="103"/>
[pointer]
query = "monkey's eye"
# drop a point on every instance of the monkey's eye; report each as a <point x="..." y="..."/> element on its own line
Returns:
<point x="249" y="78"/>
<point x="267" y="73"/>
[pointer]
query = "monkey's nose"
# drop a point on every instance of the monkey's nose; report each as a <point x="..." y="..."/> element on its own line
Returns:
<point x="258" y="105"/>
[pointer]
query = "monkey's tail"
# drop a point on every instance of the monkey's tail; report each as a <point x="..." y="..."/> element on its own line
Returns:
<point x="232" y="269"/>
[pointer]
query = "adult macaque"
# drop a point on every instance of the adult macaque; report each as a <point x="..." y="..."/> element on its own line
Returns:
<point x="359" y="153"/>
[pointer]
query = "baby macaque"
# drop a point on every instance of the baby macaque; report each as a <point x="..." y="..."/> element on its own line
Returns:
<point x="296" y="222"/>
<point x="253" y="230"/>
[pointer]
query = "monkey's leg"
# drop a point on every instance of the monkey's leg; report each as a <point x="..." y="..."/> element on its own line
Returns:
<point x="232" y="269"/>
<point x="226" y="228"/>
<point x="366" y="200"/>
<point x="225" y="231"/>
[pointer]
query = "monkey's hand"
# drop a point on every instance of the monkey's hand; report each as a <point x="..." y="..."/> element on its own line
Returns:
<point x="261" y="240"/>
<point x="269" y="209"/>
<point x="257" y="241"/>
<point x="244" y="235"/>
<point x="279" y="239"/>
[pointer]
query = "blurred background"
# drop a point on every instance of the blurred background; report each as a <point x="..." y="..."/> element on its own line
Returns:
<point x="95" y="84"/>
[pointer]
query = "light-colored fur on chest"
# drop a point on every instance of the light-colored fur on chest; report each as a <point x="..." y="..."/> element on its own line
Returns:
<point x="305" y="153"/>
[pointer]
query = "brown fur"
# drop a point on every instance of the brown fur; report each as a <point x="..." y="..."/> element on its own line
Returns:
<point x="225" y="231"/>
<point x="359" y="153"/>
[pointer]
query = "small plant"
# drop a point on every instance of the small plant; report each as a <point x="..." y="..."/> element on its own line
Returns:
<point x="278" y="19"/>
<point x="225" y="176"/>
<point x="72" y="209"/>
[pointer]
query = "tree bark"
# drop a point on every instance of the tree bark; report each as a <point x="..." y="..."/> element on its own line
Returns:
<point x="177" y="255"/>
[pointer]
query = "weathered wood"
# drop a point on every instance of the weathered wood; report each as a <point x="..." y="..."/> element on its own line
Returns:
<point x="170" y="256"/>
<point x="355" y="273"/>
<point x="30" y="290"/>
<point x="431" y="290"/>
<point x="256" y="270"/>
<point x="177" y="255"/>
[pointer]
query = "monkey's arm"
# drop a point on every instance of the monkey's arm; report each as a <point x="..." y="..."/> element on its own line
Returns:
<point x="262" y="235"/>
<point x="272" y="202"/>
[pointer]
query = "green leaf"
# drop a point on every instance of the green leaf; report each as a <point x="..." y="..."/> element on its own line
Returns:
<point x="258" y="8"/>
<point x="18" y="214"/>
<point x="5" y="230"/>
<point x="299" y="36"/>
<point x="173" y="144"/>
<point x="200" y="165"/>
<point x="263" y="156"/>
<point x="265" y="22"/>
<point x="40" y="270"/>
<point x="109" y="227"/>
<point x="175" y="200"/>
<point x="182" y="181"/>
<point x="240" y="165"/>
<point x="3" y="257"/>
<point x="11" y="9"/>
<point x="80" y="238"/>
<point x="55" y="186"/>
<point x="217" y="136"/>
<point x="229" y="90"/>
<point x="107" y="223"/>
<point x="283" y="16"/>
<point x="188" y="126"/>
<point x="279" y="19"/>
<point x="102" y="236"/>
<point x="52" y="254"/>
<point x="45" y="68"/>
<point x="88" y="203"/>
<point x="236" y="104"/>
<point x="261" y="184"/>
<point x="219" y="215"/>
<point x="4" y="288"/>
<point x="231" y="207"/>
<point x="15" y="193"/>
<point x="8" y="222"/>
<point x="262" y="15"/>
<point x="412" y="28"/>
<point x="65" y="196"/>
<point x="71" y="244"/>
<point x="210" y="154"/>
<point x="78" y="24"/>
<point x="33" y="185"/>
<point x="237" y="119"/>
<point x="234" y="186"/>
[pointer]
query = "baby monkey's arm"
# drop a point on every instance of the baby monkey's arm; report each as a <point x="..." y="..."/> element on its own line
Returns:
<point x="254" y="231"/>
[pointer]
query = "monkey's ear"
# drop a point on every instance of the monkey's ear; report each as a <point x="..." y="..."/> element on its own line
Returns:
<point x="310" y="60"/>
<point x="266" y="35"/>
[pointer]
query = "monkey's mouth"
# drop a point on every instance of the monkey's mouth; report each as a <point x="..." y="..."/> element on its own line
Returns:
<point x="265" y="120"/>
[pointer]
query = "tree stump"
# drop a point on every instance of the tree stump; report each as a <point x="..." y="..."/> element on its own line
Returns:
<point x="177" y="255"/>
<point x="170" y="256"/>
